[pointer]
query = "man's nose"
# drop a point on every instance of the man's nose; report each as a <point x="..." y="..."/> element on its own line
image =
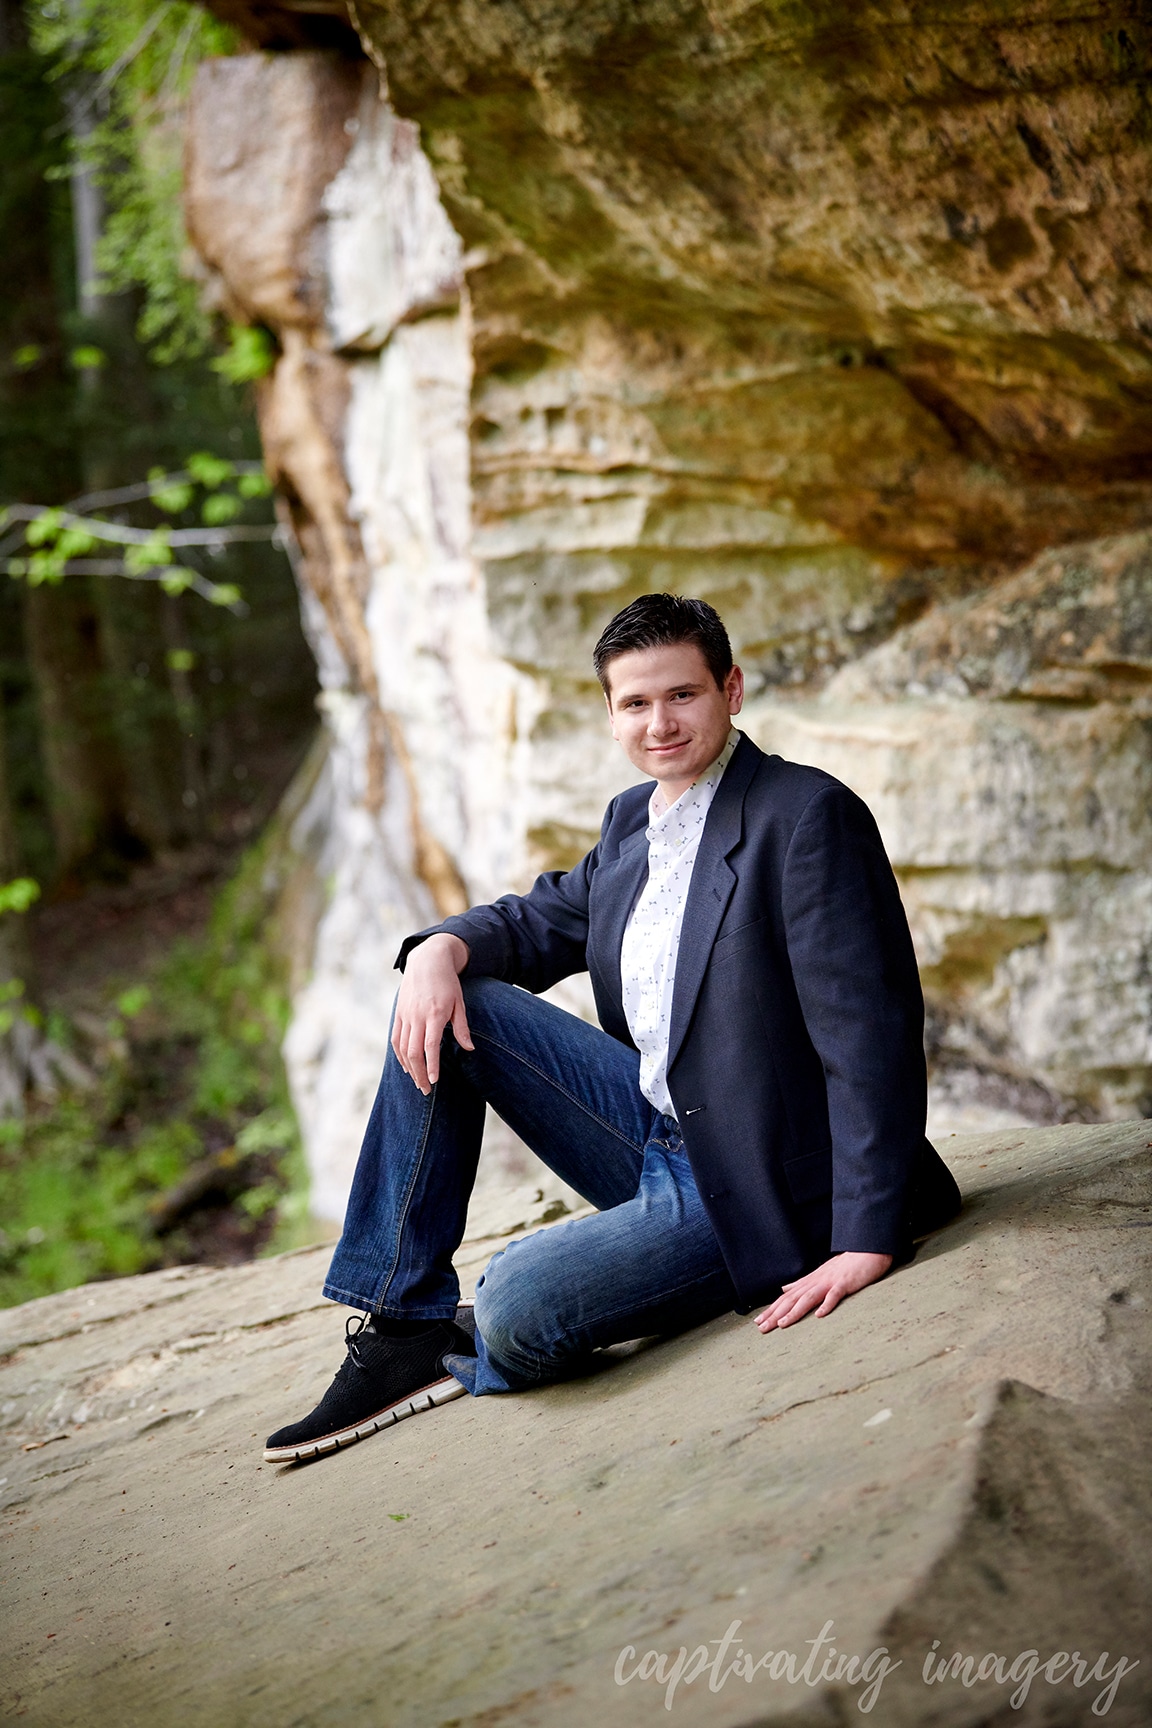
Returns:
<point x="662" y="722"/>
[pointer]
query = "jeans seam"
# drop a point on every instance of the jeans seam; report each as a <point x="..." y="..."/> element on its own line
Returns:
<point x="518" y="1056"/>
<point x="405" y="1208"/>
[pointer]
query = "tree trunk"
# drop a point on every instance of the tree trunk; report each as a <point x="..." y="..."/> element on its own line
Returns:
<point x="77" y="736"/>
<point x="131" y="634"/>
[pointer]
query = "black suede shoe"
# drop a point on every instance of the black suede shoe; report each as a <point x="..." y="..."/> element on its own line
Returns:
<point x="466" y="1319"/>
<point x="381" y="1381"/>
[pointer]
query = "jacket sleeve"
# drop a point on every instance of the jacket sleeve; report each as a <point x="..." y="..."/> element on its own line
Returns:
<point x="855" y="972"/>
<point x="532" y="939"/>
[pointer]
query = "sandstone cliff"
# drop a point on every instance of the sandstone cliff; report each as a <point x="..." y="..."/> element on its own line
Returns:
<point x="957" y="1456"/>
<point x="841" y="317"/>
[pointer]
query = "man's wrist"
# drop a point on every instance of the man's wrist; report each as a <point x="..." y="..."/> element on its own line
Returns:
<point x="454" y="947"/>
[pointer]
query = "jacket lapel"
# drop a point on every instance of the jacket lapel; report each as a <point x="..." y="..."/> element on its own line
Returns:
<point x="710" y="890"/>
<point x="616" y="887"/>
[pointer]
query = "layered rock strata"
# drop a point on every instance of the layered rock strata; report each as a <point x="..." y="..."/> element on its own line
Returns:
<point x="953" y="1464"/>
<point x="840" y="318"/>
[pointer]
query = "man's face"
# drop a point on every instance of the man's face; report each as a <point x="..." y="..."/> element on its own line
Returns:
<point x="668" y="713"/>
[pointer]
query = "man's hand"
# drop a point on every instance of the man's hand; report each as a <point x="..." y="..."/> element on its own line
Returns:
<point x="430" y="998"/>
<point x="822" y="1289"/>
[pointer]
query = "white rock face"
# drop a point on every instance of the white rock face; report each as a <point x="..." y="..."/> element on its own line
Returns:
<point x="462" y="541"/>
<point x="1030" y="918"/>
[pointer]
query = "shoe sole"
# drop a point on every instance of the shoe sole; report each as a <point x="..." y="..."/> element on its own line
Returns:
<point x="442" y="1392"/>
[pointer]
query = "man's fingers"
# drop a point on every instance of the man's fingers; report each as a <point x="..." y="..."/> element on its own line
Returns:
<point x="460" y="1025"/>
<point x="414" y="1058"/>
<point x="400" y="1035"/>
<point x="804" y="1303"/>
<point x="431" y="1052"/>
<point x="824" y="1289"/>
<point x="799" y="1299"/>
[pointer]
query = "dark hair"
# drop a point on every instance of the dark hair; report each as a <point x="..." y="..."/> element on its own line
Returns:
<point x="660" y="621"/>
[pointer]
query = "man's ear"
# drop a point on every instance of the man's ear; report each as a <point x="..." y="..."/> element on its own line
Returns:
<point x="734" y="690"/>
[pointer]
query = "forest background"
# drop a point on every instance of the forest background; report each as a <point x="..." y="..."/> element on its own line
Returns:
<point x="157" y="693"/>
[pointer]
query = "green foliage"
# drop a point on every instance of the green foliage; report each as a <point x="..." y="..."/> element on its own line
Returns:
<point x="251" y="354"/>
<point x="254" y="486"/>
<point x="18" y="895"/>
<point x="219" y="508"/>
<point x="14" y="1007"/>
<point x="88" y="358"/>
<point x="168" y="495"/>
<point x="135" y="61"/>
<point x="192" y="1074"/>
<point x="59" y="536"/>
<point x="208" y="470"/>
<point x="154" y="553"/>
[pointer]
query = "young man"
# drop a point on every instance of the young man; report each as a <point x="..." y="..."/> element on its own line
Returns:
<point x="750" y="1121"/>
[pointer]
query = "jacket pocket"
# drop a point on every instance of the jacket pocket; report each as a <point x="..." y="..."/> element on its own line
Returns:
<point x="810" y="1177"/>
<point x="739" y="940"/>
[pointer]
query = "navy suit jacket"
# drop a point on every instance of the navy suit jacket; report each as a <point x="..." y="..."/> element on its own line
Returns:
<point x="796" y="1058"/>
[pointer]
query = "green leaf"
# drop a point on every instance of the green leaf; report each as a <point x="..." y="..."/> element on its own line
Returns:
<point x="74" y="542"/>
<point x="174" y="498"/>
<point x="133" y="1001"/>
<point x="254" y="486"/>
<point x="175" y="581"/>
<point x="180" y="659"/>
<point x="272" y="1131"/>
<point x="225" y="594"/>
<point x="18" y="895"/>
<point x="44" y="527"/>
<point x="208" y="470"/>
<point x="251" y="354"/>
<point x="154" y="552"/>
<point x="27" y="356"/>
<point x="45" y="567"/>
<point x="220" y="507"/>
<point x="260" y="1200"/>
<point x="88" y="359"/>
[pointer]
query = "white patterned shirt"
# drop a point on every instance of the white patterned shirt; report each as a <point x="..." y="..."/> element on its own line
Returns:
<point x="652" y="935"/>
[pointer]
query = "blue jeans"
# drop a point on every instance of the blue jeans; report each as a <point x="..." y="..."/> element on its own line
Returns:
<point x="646" y="1263"/>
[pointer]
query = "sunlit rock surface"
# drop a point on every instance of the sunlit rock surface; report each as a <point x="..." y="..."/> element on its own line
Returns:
<point x="840" y="318"/>
<point x="958" y="1456"/>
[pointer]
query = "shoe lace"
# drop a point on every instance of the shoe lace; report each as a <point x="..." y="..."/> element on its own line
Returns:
<point x="353" y="1327"/>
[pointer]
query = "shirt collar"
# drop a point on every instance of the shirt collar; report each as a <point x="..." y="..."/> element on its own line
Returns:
<point x="701" y="788"/>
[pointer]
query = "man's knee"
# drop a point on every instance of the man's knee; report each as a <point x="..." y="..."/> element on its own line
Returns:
<point x="510" y="1317"/>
